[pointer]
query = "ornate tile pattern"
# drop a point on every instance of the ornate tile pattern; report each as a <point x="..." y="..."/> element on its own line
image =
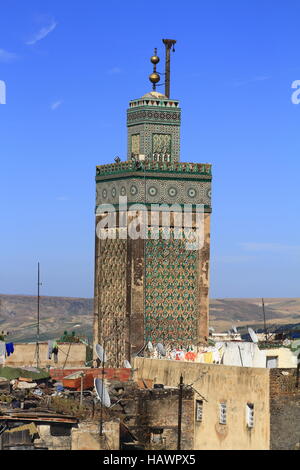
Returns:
<point x="161" y="143"/>
<point x="147" y="130"/>
<point x="153" y="115"/>
<point x="171" y="292"/>
<point x="135" y="144"/>
<point x="112" y="298"/>
<point x="157" y="191"/>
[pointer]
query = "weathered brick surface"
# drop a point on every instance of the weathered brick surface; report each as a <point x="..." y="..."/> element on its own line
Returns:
<point x="122" y="375"/>
<point x="285" y="410"/>
<point x="283" y="382"/>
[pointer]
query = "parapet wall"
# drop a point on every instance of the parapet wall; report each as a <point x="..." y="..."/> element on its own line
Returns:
<point x="70" y="355"/>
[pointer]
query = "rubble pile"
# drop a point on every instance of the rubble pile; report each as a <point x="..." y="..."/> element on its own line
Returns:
<point x="34" y="389"/>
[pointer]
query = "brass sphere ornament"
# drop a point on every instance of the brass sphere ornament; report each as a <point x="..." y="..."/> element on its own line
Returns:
<point x="154" y="77"/>
<point x="155" y="59"/>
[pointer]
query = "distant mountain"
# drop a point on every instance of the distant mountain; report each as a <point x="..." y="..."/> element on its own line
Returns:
<point x="249" y="312"/>
<point x="18" y="315"/>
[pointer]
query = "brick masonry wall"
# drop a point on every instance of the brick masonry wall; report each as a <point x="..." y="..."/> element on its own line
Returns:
<point x="282" y="382"/>
<point x="285" y="410"/>
<point x="122" y="375"/>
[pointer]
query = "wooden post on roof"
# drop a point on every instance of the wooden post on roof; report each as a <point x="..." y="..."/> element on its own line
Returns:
<point x="180" y="412"/>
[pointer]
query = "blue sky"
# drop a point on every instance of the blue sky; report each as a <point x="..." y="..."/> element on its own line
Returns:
<point x="71" y="69"/>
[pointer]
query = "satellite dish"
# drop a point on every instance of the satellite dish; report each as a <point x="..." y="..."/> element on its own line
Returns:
<point x="102" y="393"/>
<point x="150" y="346"/>
<point x="100" y="353"/>
<point x="127" y="364"/>
<point x="161" y="349"/>
<point x="211" y="329"/>
<point x="234" y="329"/>
<point x="253" y="335"/>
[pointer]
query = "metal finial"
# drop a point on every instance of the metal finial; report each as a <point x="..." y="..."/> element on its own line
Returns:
<point x="154" y="77"/>
<point x="155" y="59"/>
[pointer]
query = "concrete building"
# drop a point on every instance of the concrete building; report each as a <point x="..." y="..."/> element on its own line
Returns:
<point x="281" y="358"/>
<point x="232" y="406"/>
<point x="151" y="288"/>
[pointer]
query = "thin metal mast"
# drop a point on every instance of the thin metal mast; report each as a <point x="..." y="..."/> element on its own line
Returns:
<point x="265" y="325"/>
<point x="38" y="320"/>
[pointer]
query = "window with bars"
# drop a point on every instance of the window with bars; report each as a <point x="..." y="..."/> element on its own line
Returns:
<point x="250" y="415"/>
<point x="199" y="410"/>
<point x="223" y="413"/>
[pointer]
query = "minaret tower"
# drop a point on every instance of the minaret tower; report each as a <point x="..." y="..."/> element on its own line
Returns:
<point x="151" y="287"/>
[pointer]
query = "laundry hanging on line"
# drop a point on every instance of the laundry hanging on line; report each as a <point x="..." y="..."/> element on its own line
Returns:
<point x="9" y="349"/>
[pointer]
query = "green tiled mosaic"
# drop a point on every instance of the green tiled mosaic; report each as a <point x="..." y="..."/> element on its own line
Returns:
<point x="171" y="292"/>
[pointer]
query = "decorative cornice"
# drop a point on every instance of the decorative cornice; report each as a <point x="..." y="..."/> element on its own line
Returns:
<point x="153" y="115"/>
<point x="149" y="176"/>
<point x="154" y="103"/>
<point x="140" y="167"/>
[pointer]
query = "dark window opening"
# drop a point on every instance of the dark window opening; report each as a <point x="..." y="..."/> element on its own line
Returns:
<point x="58" y="430"/>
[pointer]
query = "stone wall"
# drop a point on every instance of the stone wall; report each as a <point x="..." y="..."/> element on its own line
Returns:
<point x="285" y="410"/>
<point x="49" y="441"/>
<point x="87" y="436"/>
<point x="155" y="418"/>
<point x="70" y="355"/>
<point x="283" y="382"/>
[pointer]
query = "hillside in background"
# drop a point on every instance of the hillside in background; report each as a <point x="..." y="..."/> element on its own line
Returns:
<point x="18" y="315"/>
<point x="224" y="313"/>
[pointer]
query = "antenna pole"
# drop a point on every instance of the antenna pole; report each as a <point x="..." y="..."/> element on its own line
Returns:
<point x="265" y="326"/>
<point x="180" y="412"/>
<point x="168" y="43"/>
<point x="145" y="245"/>
<point x="38" y="320"/>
